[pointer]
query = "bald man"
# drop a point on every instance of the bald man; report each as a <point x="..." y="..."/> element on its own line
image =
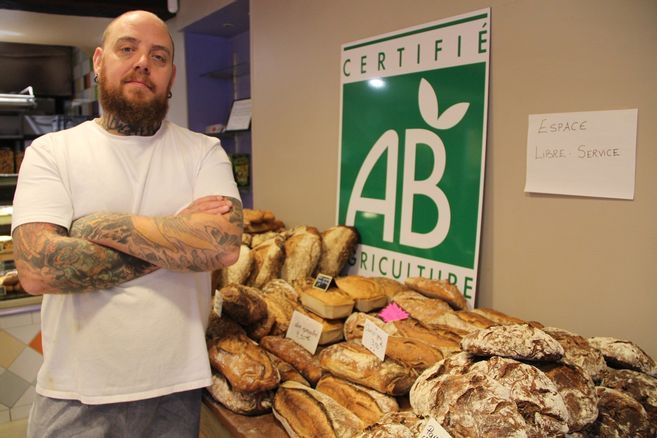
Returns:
<point x="118" y="223"/>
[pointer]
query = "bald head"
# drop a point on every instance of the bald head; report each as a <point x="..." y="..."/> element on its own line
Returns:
<point x="131" y="17"/>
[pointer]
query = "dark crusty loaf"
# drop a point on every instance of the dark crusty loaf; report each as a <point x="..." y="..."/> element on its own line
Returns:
<point x="442" y="289"/>
<point x="367" y="404"/>
<point x="243" y="303"/>
<point x="517" y="341"/>
<point x="305" y="412"/>
<point x="535" y="395"/>
<point x="294" y="354"/>
<point x="578" y="351"/>
<point x="302" y="251"/>
<point x="239" y="272"/>
<point x="624" y="354"/>
<point x="244" y="403"/>
<point x="268" y="258"/>
<point x="619" y="416"/>
<point x="337" y="245"/>
<point x="642" y="387"/>
<point x="244" y="364"/>
<point x="577" y="390"/>
<point x="287" y="371"/>
<point x="357" y="364"/>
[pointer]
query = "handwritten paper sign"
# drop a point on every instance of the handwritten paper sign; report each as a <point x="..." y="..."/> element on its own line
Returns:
<point x="433" y="429"/>
<point x="583" y="153"/>
<point x="322" y="282"/>
<point x="305" y="331"/>
<point x="375" y="339"/>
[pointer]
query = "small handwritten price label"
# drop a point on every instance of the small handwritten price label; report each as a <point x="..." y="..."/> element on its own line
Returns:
<point x="217" y="302"/>
<point x="305" y="331"/>
<point x="322" y="282"/>
<point x="375" y="339"/>
<point x="433" y="429"/>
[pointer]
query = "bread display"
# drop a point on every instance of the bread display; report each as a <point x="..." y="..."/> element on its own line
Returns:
<point x="302" y="251"/>
<point x="518" y="341"/>
<point x="641" y="387"/>
<point x="260" y="221"/>
<point x="389" y="286"/>
<point x="424" y="309"/>
<point x="624" y="354"/>
<point x="243" y="303"/>
<point x="281" y="287"/>
<point x="445" y="341"/>
<point x="578" y="351"/>
<point x="357" y="364"/>
<point x="441" y="289"/>
<point x="619" y="415"/>
<point x="367" y="404"/>
<point x="412" y="353"/>
<point x="305" y="412"/>
<point x="244" y="364"/>
<point x="294" y="354"/>
<point x="287" y="371"/>
<point x="403" y="424"/>
<point x="239" y="272"/>
<point x="463" y="321"/>
<point x="331" y="304"/>
<point x="268" y="260"/>
<point x="354" y="325"/>
<point x="337" y="245"/>
<point x="577" y="391"/>
<point x="332" y="329"/>
<point x="367" y="294"/>
<point x="245" y="403"/>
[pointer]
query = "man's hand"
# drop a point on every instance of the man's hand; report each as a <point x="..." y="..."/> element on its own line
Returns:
<point x="209" y="205"/>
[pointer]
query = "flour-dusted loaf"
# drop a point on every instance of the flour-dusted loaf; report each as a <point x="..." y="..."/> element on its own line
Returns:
<point x="577" y="390"/>
<point x="260" y="238"/>
<point x="389" y="286"/>
<point x="354" y="325"/>
<point x="279" y="286"/>
<point x="294" y="354"/>
<point x="536" y="396"/>
<point x="243" y="303"/>
<point x="578" y="351"/>
<point x="624" y="354"/>
<point x="412" y="353"/>
<point x="244" y="364"/>
<point x="366" y="293"/>
<point x="287" y="371"/>
<point x="424" y="309"/>
<point x="244" y="403"/>
<point x="305" y="412"/>
<point x="302" y="251"/>
<point x="619" y="416"/>
<point x="219" y="327"/>
<point x="472" y="405"/>
<point x="517" y="341"/>
<point x="357" y="364"/>
<point x="444" y="340"/>
<point x="367" y="404"/>
<point x="338" y="243"/>
<point x="463" y="321"/>
<point x="331" y="304"/>
<point x="280" y="306"/>
<point x="268" y="258"/>
<point x="497" y="317"/>
<point x="403" y="424"/>
<point x="442" y="289"/>
<point x="638" y="385"/>
<point x="238" y="272"/>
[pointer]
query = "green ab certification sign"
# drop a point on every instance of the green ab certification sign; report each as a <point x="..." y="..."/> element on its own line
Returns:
<point x="413" y="131"/>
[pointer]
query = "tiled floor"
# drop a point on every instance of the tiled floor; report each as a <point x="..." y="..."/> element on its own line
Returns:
<point x="14" y="429"/>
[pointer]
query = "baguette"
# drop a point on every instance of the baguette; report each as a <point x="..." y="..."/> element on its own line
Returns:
<point x="294" y="354"/>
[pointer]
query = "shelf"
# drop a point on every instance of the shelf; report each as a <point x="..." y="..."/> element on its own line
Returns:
<point x="228" y="73"/>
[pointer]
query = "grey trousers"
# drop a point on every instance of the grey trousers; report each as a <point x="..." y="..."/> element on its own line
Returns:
<point x="176" y="416"/>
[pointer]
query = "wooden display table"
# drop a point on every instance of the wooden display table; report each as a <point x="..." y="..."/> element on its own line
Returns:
<point x="219" y="422"/>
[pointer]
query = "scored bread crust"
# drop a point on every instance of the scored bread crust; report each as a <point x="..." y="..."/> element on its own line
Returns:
<point x="337" y="245"/>
<point x="244" y="403"/>
<point x="243" y="303"/>
<point x="268" y="259"/>
<point x="619" y="415"/>
<point x="302" y="251"/>
<point x="497" y="316"/>
<point x="638" y="385"/>
<point x="624" y="354"/>
<point x="239" y="272"/>
<point x="424" y="309"/>
<point x="354" y="325"/>
<point x="442" y="289"/>
<point x="578" y="351"/>
<point x="294" y="354"/>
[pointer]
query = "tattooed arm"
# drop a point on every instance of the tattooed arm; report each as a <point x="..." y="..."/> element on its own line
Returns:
<point x="49" y="261"/>
<point x="205" y="236"/>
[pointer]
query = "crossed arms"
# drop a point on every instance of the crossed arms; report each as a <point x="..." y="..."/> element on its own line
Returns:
<point x="102" y="250"/>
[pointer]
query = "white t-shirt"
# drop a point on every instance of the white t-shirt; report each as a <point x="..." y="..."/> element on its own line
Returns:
<point x="143" y="338"/>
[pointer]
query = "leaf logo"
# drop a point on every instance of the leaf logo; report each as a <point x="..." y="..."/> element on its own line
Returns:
<point x="428" y="103"/>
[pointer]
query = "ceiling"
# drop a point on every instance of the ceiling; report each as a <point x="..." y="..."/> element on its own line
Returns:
<point x="91" y="8"/>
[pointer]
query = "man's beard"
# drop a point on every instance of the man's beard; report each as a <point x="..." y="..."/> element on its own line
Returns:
<point x="140" y="115"/>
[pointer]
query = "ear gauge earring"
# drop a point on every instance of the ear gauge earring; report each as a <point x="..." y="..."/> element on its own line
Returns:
<point x="96" y="78"/>
<point x="170" y="95"/>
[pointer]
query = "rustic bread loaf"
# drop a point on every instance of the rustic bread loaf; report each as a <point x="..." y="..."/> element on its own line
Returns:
<point x="442" y="289"/>
<point x="470" y="405"/>
<point x="357" y="364"/>
<point x="246" y="366"/>
<point x="305" y="412"/>
<point x="535" y="395"/>
<point x="367" y="404"/>
<point x="287" y="371"/>
<point x="302" y="251"/>
<point x="239" y="272"/>
<point x="244" y="403"/>
<point x="331" y="304"/>
<point x="619" y="416"/>
<point x="367" y="294"/>
<point x="337" y="245"/>
<point x="412" y="353"/>
<point x="497" y="317"/>
<point x="578" y="351"/>
<point x="463" y="321"/>
<point x="403" y="424"/>
<point x="354" y="325"/>
<point x="243" y="303"/>
<point x="443" y="340"/>
<point x="294" y="354"/>
<point x="332" y="329"/>
<point x="577" y="390"/>
<point x="624" y="354"/>
<point x="517" y="341"/>
<point x="218" y="327"/>
<point x="424" y="309"/>
<point x="260" y="238"/>
<point x="281" y="287"/>
<point x="640" y="386"/>
<point x="268" y="259"/>
<point x="389" y="286"/>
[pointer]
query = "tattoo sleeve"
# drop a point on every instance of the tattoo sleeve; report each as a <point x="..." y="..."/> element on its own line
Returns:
<point x="189" y="242"/>
<point x="50" y="261"/>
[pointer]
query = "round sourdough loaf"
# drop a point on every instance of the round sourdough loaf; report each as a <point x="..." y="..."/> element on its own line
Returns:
<point x="619" y="415"/>
<point x="642" y="387"/>
<point x="578" y="351"/>
<point x="244" y="403"/>
<point x="624" y="354"/>
<point x="517" y="341"/>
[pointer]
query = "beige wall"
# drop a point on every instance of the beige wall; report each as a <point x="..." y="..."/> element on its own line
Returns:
<point x="584" y="264"/>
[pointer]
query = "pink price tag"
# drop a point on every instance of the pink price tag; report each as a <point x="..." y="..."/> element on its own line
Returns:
<point x="392" y="312"/>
